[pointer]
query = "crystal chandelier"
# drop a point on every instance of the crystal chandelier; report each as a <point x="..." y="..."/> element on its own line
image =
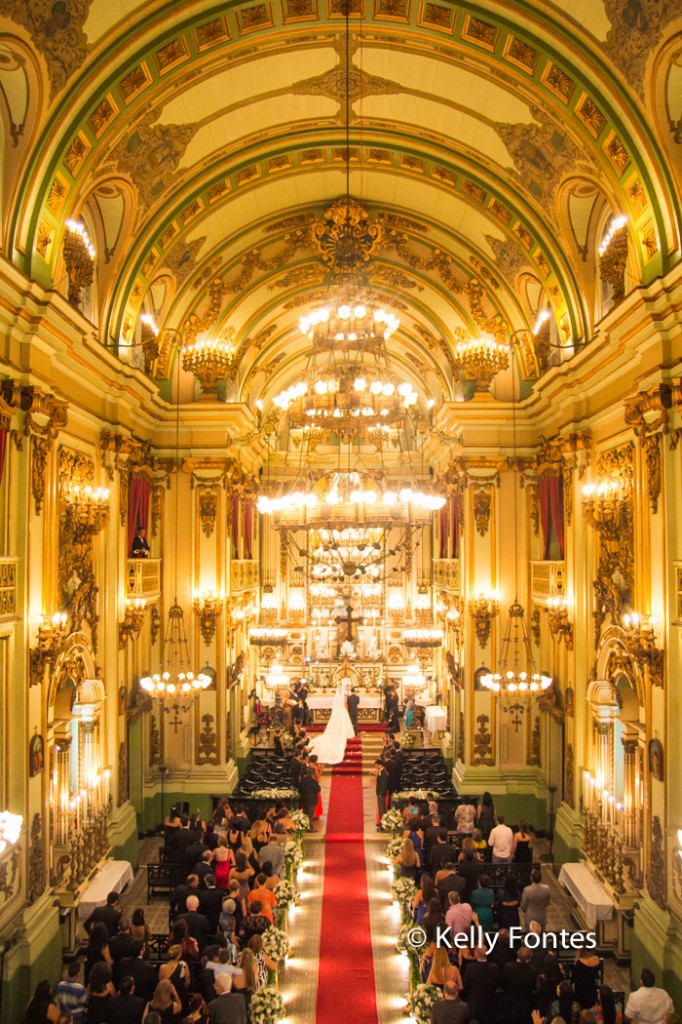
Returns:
<point x="481" y="358"/>
<point x="516" y="673"/>
<point x="175" y="682"/>
<point x="209" y="359"/>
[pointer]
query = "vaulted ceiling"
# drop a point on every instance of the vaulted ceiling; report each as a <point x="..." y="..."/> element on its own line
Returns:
<point x="200" y="141"/>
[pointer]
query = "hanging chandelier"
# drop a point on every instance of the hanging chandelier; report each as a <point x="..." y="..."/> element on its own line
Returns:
<point x="481" y="358"/>
<point x="209" y="359"/>
<point x="516" y="673"/>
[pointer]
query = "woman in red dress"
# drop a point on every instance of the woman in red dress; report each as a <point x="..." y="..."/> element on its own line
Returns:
<point x="223" y="862"/>
<point x="318" y="770"/>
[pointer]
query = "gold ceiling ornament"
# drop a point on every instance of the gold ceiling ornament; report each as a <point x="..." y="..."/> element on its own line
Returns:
<point x="481" y="359"/>
<point x="346" y="238"/>
<point x="483" y="609"/>
<point x="79" y="260"/>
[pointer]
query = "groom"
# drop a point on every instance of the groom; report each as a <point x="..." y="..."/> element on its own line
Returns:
<point x="353" y="703"/>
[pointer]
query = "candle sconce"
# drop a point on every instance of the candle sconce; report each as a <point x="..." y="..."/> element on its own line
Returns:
<point x="130" y="628"/>
<point x="79" y="260"/>
<point x="51" y="636"/>
<point x="483" y="609"/>
<point x="641" y="640"/>
<point x="208" y="608"/>
<point x="557" y="619"/>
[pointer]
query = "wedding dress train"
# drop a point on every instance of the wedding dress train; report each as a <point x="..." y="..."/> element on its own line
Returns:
<point x="330" y="747"/>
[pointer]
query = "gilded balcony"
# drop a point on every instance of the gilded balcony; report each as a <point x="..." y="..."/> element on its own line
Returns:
<point x="244" y="574"/>
<point x="8" y="587"/>
<point x="144" y="577"/>
<point x="547" y="579"/>
<point x="447" y="574"/>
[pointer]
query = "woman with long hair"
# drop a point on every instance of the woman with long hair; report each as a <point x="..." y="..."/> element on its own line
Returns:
<point x="415" y="834"/>
<point x="260" y="831"/>
<point x="246" y="983"/>
<point x="442" y="970"/>
<point x="100" y="990"/>
<point x="250" y="854"/>
<point x="485" y="815"/>
<point x="482" y="901"/>
<point x="98" y="949"/>
<point x="408" y="861"/>
<point x="180" y="936"/>
<point x="318" y="771"/>
<point x="564" y="1005"/>
<point x="549" y="978"/>
<point x="139" y="929"/>
<point x="42" y="1007"/>
<point x="234" y="837"/>
<point x="177" y="972"/>
<point x="606" y="1010"/>
<point x="223" y="862"/>
<point x="263" y="961"/>
<point x="165" y="1002"/>
<point x="523" y="839"/>
<point x="423" y="895"/>
<point x="585" y="976"/>
<point x="508" y="903"/>
<point x="198" y="1010"/>
<point x="243" y="873"/>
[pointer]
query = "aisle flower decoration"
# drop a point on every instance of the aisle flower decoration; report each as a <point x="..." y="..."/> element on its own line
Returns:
<point x="404" y="890"/>
<point x="393" y="848"/>
<point x="421" y="1001"/>
<point x="286" y="894"/>
<point x="275" y="944"/>
<point x="266" y="1006"/>
<point x="293" y="854"/>
<point x="419" y="794"/>
<point x="300" y="820"/>
<point x="274" y="794"/>
<point x="392" y="821"/>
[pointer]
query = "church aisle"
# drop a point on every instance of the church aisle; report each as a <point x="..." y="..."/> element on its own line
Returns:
<point x="346" y="989"/>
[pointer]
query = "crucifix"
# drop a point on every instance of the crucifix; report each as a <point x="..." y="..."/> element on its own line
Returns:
<point x="349" y="620"/>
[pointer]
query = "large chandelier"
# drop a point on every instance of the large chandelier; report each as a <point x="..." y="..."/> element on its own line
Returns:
<point x="481" y="358"/>
<point x="516" y="673"/>
<point x="209" y="359"/>
<point x="175" y="681"/>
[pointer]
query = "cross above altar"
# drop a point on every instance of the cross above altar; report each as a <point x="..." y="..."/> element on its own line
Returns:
<point x="349" y="620"/>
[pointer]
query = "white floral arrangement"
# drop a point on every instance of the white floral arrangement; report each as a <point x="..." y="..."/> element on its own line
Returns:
<point x="408" y="740"/>
<point x="404" y="890"/>
<point x="394" y="847"/>
<point x="275" y="944"/>
<point x="286" y="893"/>
<point x="421" y="1001"/>
<point x="275" y="794"/>
<point x="418" y="794"/>
<point x="300" y="820"/>
<point x="266" y="1006"/>
<point x="347" y="650"/>
<point x="403" y="943"/>
<point x="392" y="821"/>
<point x="293" y="853"/>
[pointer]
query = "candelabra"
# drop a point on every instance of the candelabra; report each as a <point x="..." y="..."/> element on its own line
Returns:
<point x="483" y="609"/>
<point x="606" y="506"/>
<point x="130" y="628"/>
<point x="557" y="619"/>
<point x="423" y="637"/>
<point x="208" y="608"/>
<point x="89" y="508"/>
<point x="10" y="829"/>
<point x="481" y="358"/>
<point x="149" y="339"/>
<point x="51" y="636"/>
<point x="276" y="677"/>
<point x="516" y="672"/>
<point x="642" y="645"/>
<point x="261" y="636"/>
<point x="79" y="256"/>
<point x="613" y="256"/>
<point x="210" y="359"/>
<point x="235" y="612"/>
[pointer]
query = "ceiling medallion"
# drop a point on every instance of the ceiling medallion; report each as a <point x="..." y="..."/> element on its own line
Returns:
<point x="346" y="238"/>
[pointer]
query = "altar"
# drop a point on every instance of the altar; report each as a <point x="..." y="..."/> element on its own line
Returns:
<point x="599" y="908"/>
<point x="370" y="710"/>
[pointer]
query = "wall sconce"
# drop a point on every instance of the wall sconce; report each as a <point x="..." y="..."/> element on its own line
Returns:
<point x="51" y="635"/>
<point x="149" y="339"/>
<point x="235" y="612"/>
<point x="130" y="628"/>
<point x="482" y="609"/>
<point x="10" y="829"/>
<point x="642" y="645"/>
<point x="79" y="257"/>
<point x="276" y="677"/>
<point x="268" y="605"/>
<point x="89" y="508"/>
<point x="557" y="619"/>
<point x="613" y="256"/>
<point x="208" y="607"/>
<point x="606" y="507"/>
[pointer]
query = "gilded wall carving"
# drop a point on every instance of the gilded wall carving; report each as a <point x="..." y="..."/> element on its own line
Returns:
<point x="37" y="871"/>
<point x="207" y="752"/>
<point x="483" y="743"/>
<point x="151" y="153"/>
<point x="57" y="33"/>
<point x="656" y="879"/>
<point x="636" y="29"/>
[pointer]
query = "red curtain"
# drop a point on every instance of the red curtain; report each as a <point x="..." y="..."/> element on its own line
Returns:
<point x="248" y="529"/>
<point x="454" y="531"/>
<point x="138" y="506"/>
<point x="443" y="523"/>
<point x="448" y="529"/>
<point x="235" y="525"/>
<point x="3" y="450"/>
<point x="551" y="501"/>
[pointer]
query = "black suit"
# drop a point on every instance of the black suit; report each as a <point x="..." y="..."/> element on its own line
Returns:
<point x="104" y="915"/>
<point x="210" y="905"/>
<point x="296" y="767"/>
<point x="228" y="1009"/>
<point x="451" y="883"/>
<point x="518" y="981"/>
<point x="431" y="838"/>
<point x="143" y="974"/>
<point x="450" y="1011"/>
<point x="120" y="947"/>
<point x="441" y="854"/>
<point x="353" y="703"/>
<point x="481" y="980"/>
<point x="177" y="843"/>
<point x="193" y="854"/>
<point x="197" y="926"/>
<point x="202" y="869"/>
<point x="381" y="788"/>
<point x="309" y="789"/>
<point x="125" y="1010"/>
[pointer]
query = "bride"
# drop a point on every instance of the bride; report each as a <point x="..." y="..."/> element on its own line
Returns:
<point x="330" y="747"/>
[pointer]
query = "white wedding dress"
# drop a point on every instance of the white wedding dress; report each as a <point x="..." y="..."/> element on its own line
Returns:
<point x="330" y="747"/>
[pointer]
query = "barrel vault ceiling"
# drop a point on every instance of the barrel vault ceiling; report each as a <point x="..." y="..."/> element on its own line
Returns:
<point x="199" y="141"/>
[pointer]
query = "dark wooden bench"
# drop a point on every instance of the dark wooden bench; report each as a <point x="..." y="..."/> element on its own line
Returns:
<point x="162" y="879"/>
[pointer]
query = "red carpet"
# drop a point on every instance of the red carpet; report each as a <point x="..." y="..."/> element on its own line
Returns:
<point x="345" y="989"/>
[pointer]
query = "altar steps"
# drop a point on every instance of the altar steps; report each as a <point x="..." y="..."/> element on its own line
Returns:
<point x="352" y="760"/>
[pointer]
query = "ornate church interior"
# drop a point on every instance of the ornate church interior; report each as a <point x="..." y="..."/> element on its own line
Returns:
<point x="340" y="340"/>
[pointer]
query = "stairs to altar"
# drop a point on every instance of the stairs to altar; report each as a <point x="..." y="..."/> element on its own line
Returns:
<point x="361" y="753"/>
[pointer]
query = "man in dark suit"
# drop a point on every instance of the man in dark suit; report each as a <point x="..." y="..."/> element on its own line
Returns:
<point x="108" y="915"/>
<point x="142" y="973"/>
<point x="480" y="983"/>
<point x="178" y="901"/>
<point x="309" y="788"/>
<point x="211" y="903"/>
<point x="228" y="1007"/>
<point x="353" y="703"/>
<point x="296" y="768"/>
<point x="451" y="1009"/>
<point x="441" y="853"/>
<point x="381" y="789"/>
<point x="197" y="925"/>
<point x="129" y="1007"/>
<point x="452" y="882"/>
<point x="303" y="697"/>
<point x="431" y="834"/>
<point x="194" y="852"/>
<point x="393" y="709"/>
<point x="121" y="946"/>
<point x="203" y="868"/>
<point x="178" y="840"/>
<point x="518" y="982"/>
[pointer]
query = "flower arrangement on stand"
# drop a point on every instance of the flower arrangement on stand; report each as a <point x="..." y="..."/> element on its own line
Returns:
<point x="275" y="794"/>
<point x="286" y="894"/>
<point x="392" y="821"/>
<point x="393" y="848"/>
<point x="300" y="820"/>
<point x="421" y="1001"/>
<point x="266" y="1006"/>
<point x="403" y="891"/>
<point x="276" y="944"/>
<point x="293" y="857"/>
<point x="408" y="740"/>
<point x="347" y="650"/>
<point x="420" y="794"/>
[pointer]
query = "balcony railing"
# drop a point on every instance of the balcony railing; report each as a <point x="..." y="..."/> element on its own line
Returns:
<point x="547" y="580"/>
<point x="8" y="587"/>
<point x="144" y="577"/>
<point x="244" y="574"/>
<point x="446" y="573"/>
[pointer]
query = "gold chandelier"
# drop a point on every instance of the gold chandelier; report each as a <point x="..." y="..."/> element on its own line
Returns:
<point x="209" y="359"/>
<point x="516" y="672"/>
<point x="481" y="358"/>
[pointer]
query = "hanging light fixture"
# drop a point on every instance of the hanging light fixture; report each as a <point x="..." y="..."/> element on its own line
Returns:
<point x="175" y="685"/>
<point x="516" y="676"/>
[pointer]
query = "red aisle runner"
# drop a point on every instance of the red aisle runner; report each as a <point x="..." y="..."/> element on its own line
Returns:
<point x="345" y="988"/>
